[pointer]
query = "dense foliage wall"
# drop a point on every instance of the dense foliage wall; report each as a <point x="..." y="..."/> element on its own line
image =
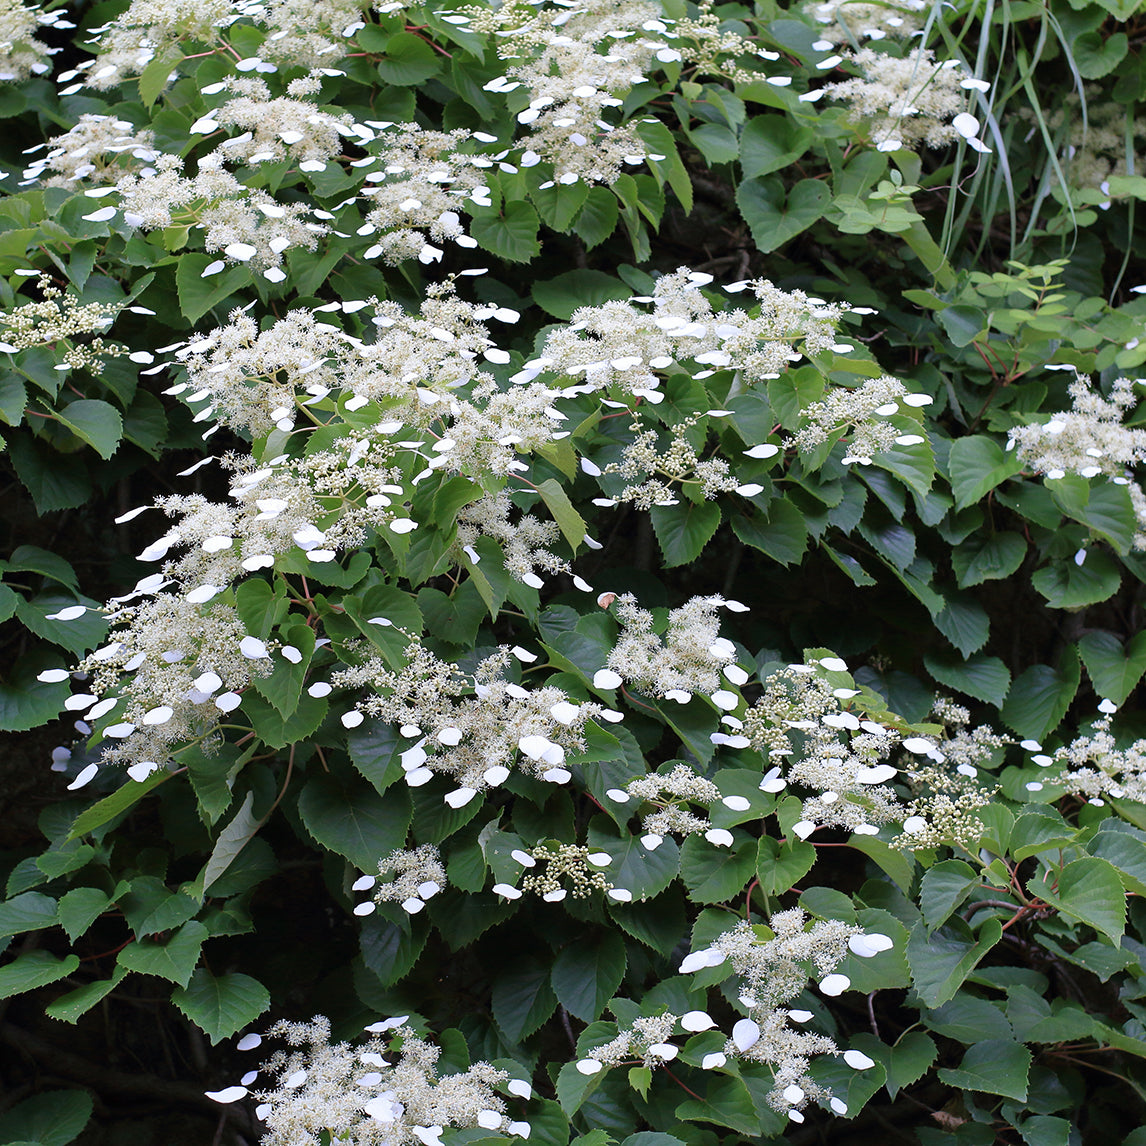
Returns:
<point x="574" y="573"/>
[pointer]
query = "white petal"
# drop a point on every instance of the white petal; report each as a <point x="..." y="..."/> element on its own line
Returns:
<point x="697" y="1021"/>
<point x="857" y="1060"/>
<point x="713" y="1061"/>
<point x="229" y="1094"/>
<point x="865" y="946"/>
<point x="835" y="984"/>
<point x="589" y="1066"/>
<point x="745" y="1034"/>
<point x="602" y="678"/>
<point x="253" y="649"/>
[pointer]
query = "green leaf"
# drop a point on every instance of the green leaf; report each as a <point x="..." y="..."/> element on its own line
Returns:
<point x="221" y="1006"/>
<point x="522" y="998"/>
<point x="1095" y="56"/>
<point x="770" y="143"/>
<point x="562" y="295"/>
<point x="354" y="822"/>
<point x="51" y="1118"/>
<point x="1127" y="854"/>
<point x="968" y="1019"/>
<point x="587" y="973"/>
<point x="27" y="703"/>
<point x="173" y="960"/>
<point x="1114" y="669"/>
<point x="1068" y="585"/>
<point x="408" y="60"/>
<point x="34" y="969"/>
<point x="1039" y="830"/>
<point x="984" y="678"/>
<point x="76" y="636"/>
<point x="976" y="465"/>
<point x="897" y="865"/>
<point x="652" y="1138"/>
<point x="781" y="533"/>
<point x="1045" y="1129"/>
<point x="28" y="912"/>
<point x="993" y="1066"/>
<point x="1040" y="696"/>
<point x="33" y="559"/>
<point x="645" y="873"/>
<point x="714" y="874"/>
<point x="640" y="1079"/>
<point x="1105" y="509"/>
<point x="597" y="219"/>
<point x="283" y="688"/>
<point x="51" y="485"/>
<point x="232" y="839"/>
<point x="963" y="621"/>
<point x="726" y="1102"/>
<point x="70" y="1007"/>
<point x="683" y="530"/>
<point x="774" y="217"/>
<point x="557" y="501"/>
<point x="781" y="865"/>
<point x="1089" y="890"/>
<point x="391" y="942"/>
<point x="943" y="888"/>
<point x="124" y="797"/>
<point x="511" y="235"/>
<point x="275" y="731"/>
<point x="153" y="78"/>
<point x="80" y="907"/>
<point x="992" y="559"/>
<point x="197" y="294"/>
<point x="962" y="324"/>
<point x="573" y="1087"/>
<point x="905" y="1062"/>
<point x="13" y="399"/>
<point x="558" y="206"/>
<point x="940" y="961"/>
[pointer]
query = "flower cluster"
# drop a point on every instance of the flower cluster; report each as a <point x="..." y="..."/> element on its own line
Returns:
<point x="678" y="464"/>
<point x="578" y="62"/>
<point x="671" y="793"/>
<point x="57" y="318"/>
<point x="773" y="966"/>
<point x="276" y="128"/>
<point x="415" y="876"/>
<point x="566" y="869"/>
<point x="21" y="54"/>
<point x="859" y="412"/>
<point x="945" y="785"/>
<point x="850" y="20"/>
<point x="619" y="345"/>
<point x="909" y="101"/>
<point x="1101" y="143"/>
<point x="644" y="1043"/>
<point x="246" y="224"/>
<point x="831" y="746"/>
<point x="168" y="675"/>
<point x="383" y="1091"/>
<point x="146" y="31"/>
<point x="474" y="728"/>
<point x="689" y="658"/>
<point x="1094" y="765"/>
<point x="1090" y="439"/>
<point x="98" y="147"/>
